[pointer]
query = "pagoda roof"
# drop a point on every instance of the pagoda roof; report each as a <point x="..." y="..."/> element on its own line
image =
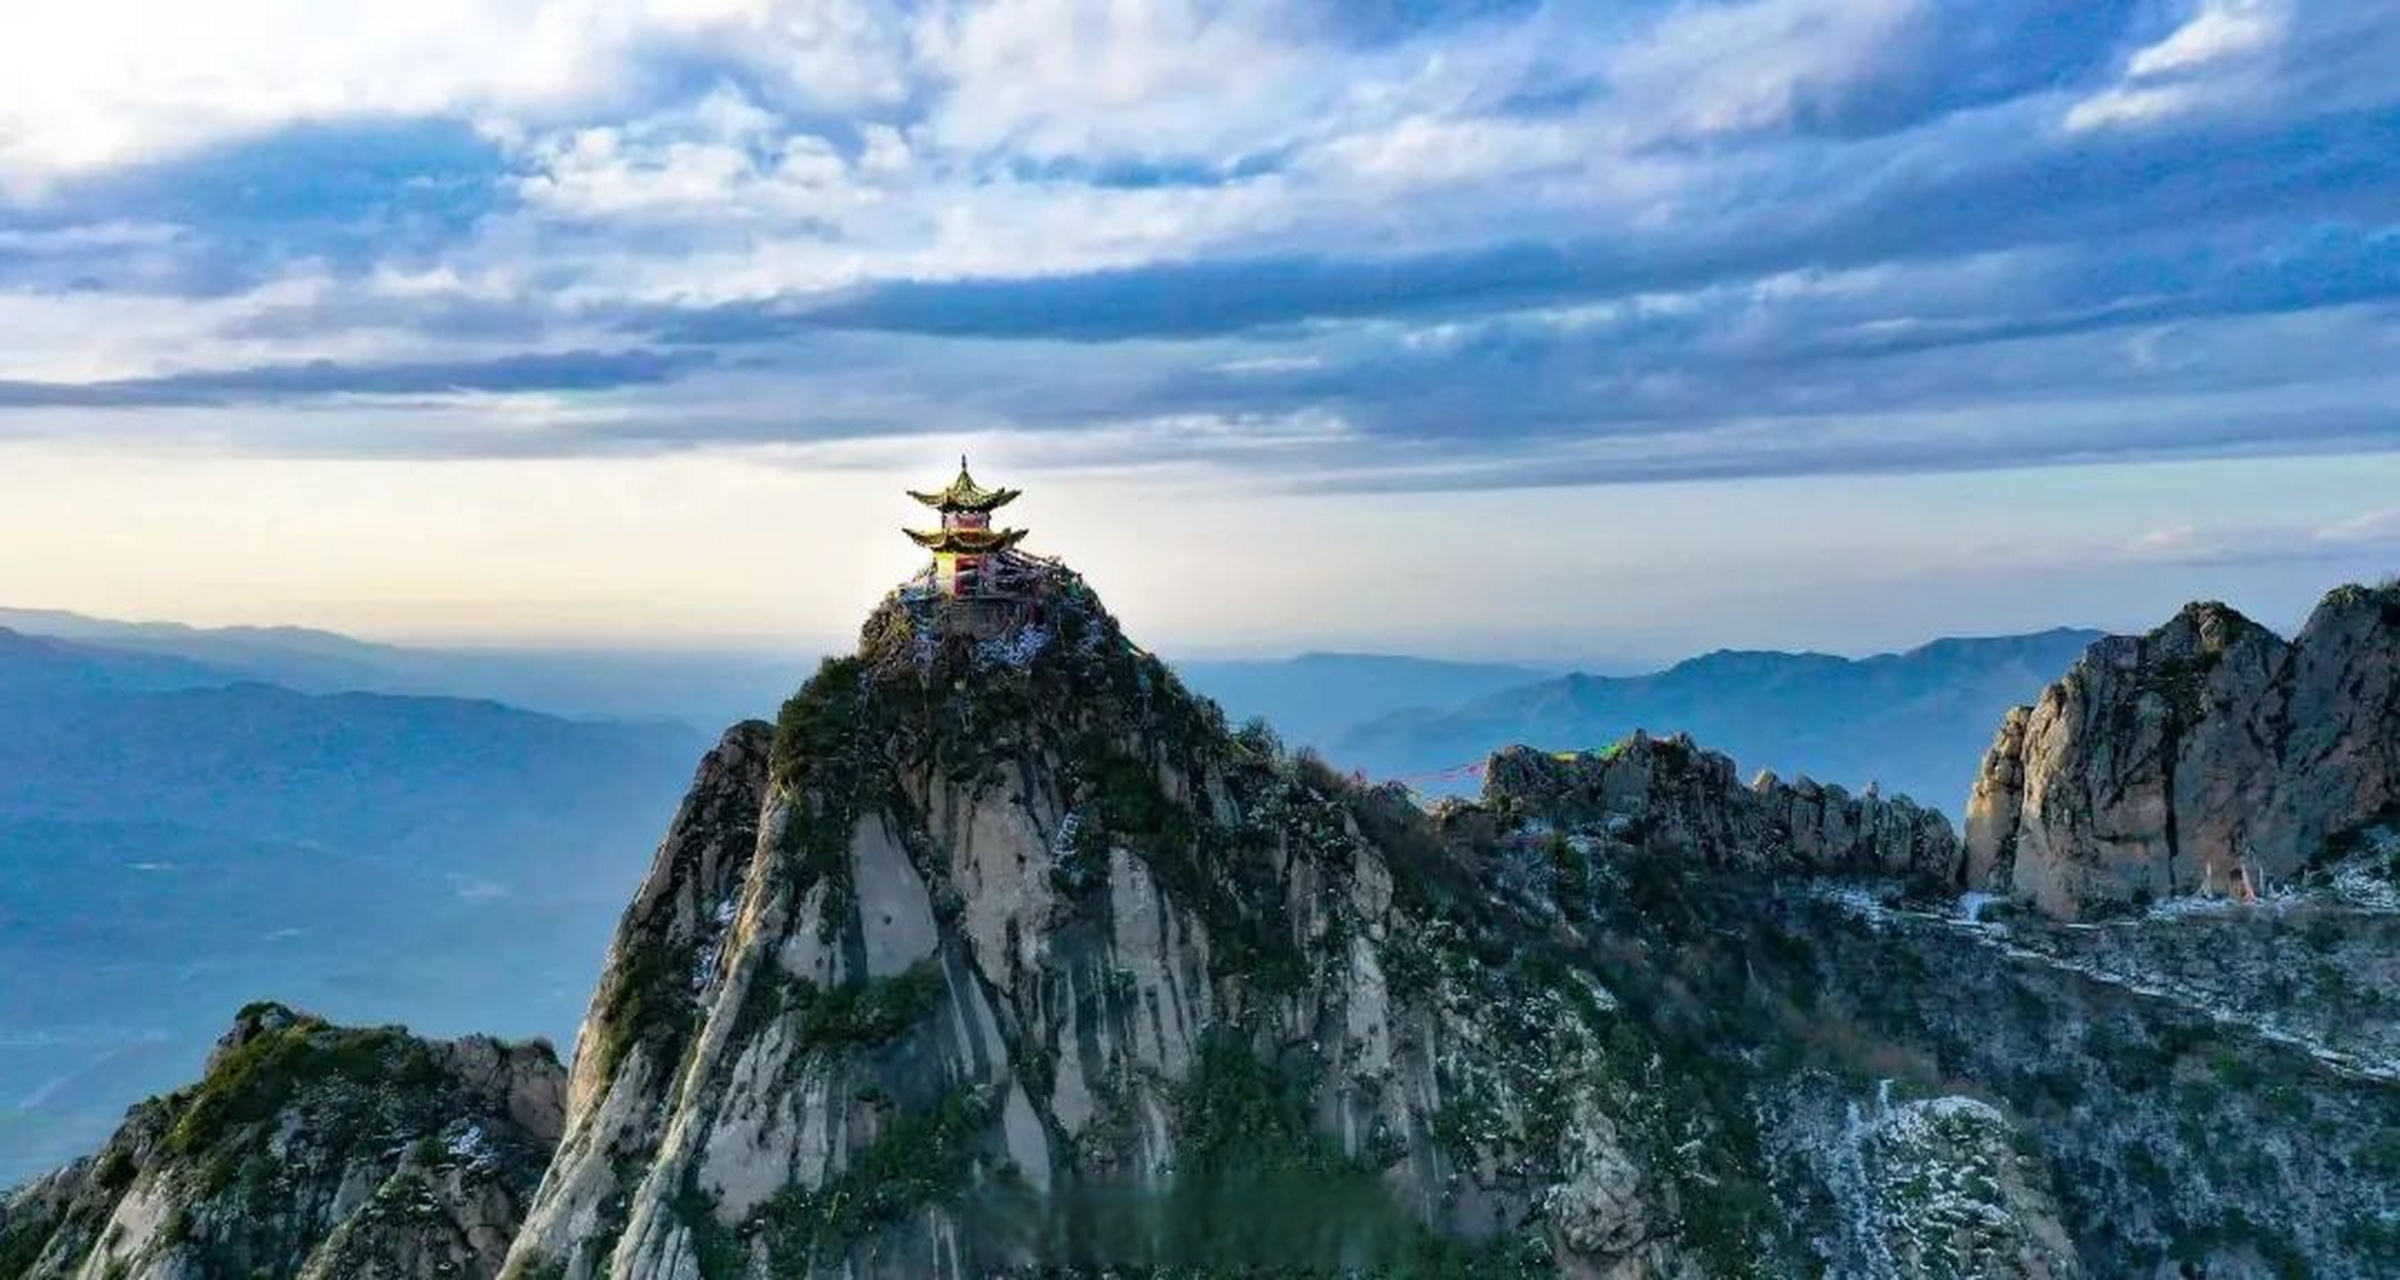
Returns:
<point x="966" y="541"/>
<point x="965" y="495"/>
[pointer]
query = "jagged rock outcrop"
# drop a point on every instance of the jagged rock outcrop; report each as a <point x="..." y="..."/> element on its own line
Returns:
<point x="1676" y="796"/>
<point x="2209" y="756"/>
<point x="307" y="1151"/>
<point x="1003" y="954"/>
<point x="999" y="954"/>
<point x="1015" y="956"/>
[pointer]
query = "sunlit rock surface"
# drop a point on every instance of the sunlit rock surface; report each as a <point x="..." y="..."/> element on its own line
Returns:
<point x="1000" y="954"/>
<point x="2209" y="757"/>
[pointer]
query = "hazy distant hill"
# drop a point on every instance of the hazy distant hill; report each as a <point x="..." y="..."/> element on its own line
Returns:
<point x="1313" y="697"/>
<point x="30" y="662"/>
<point x="174" y="840"/>
<point x="704" y="690"/>
<point x="1917" y="722"/>
<point x="299" y="658"/>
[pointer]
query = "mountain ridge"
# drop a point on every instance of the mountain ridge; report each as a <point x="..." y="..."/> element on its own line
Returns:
<point x="176" y="836"/>
<point x="1001" y="953"/>
<point x="1890" y="718"/>
<point x="1022" y="917"/>
<point x="32" y="663"/>
<point x="306" y="1150"/>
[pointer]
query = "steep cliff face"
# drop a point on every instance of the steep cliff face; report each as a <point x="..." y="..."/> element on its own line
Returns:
<point x="311" y="1151"/>
<point x="1005" y="955"/>
<point x="1008" y="953"/>
<point x="2207" y="757"/>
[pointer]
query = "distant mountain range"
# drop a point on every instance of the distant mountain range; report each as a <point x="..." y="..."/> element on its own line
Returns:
<point x="173" y="835"/>
<point x="1916" y="722"/>
<point x="1314" y="698"/>
<point x="41" y="664"/>
<point x="703" y="690"/>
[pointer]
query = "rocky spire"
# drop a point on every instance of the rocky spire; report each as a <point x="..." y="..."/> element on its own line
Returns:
<point x="2208" y="757"/>
<point x="1006" y="955"/>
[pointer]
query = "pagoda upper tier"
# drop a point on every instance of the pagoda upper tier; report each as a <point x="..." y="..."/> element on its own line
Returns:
<point x="965" y="495"/>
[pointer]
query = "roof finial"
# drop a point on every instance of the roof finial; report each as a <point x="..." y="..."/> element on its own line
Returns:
<point x="962" y="462"/>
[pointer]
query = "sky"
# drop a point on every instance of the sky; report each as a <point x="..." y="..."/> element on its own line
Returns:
<point x="1578" y="332"/>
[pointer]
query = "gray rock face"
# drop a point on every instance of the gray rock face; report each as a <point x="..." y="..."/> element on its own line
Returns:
<point x="1675" y="796"/>
<point x="669" y="945"/>
<point x="2207" y="757"/>
<point x="1007" y="954"/>
<point x="2166" y="1071"/>
<point x="1920" y="1185"/>
<point x="1001" y="955"/>
<point x="307" y="1150"/>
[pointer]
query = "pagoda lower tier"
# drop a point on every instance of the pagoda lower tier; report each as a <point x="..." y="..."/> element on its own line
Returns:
<point x="966" y="542"/>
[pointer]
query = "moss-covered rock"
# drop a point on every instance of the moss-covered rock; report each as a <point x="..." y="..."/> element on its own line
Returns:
<point x="306" y="1150"/>
<point x="1000" y="953"/>
<point x="1137" y="991"/>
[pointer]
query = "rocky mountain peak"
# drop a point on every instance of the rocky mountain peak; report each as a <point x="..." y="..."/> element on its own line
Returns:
<point x="307" y="1150"/>
<point x="2207" y="757"/>
<point x="1670" y="794"/>
<point x="2209" y="627"/>
<point x="1011" y="953"/>
<point x="264" y="1018"/>
<point x="998" y="953"/>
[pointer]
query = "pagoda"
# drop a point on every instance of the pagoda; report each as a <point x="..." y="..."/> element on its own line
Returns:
<point x="966" y="546"/>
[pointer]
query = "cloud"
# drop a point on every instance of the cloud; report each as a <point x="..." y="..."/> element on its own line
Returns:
<point x="2220" y="31"/>
<point x="2199" y="251"/>
<point x="1851" y="68"/>
<point x="559" y="371"/>
<point x="1742" y="68"/>
<point x="107" y="83"/>
<point x="238" y="214"/>
<point x="2220" y="58"/>
<point x="1047" y="78"/>
<point x="2370" y="535"/>
<point x="1477" y="244"/>
<point x="725" y="158"/>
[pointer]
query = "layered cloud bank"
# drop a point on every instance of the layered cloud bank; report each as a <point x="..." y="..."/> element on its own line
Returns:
<point x="1506" y="244"/>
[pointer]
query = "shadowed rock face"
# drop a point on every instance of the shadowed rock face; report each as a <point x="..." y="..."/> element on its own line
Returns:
<point x="307" y="1150"/>
<point x="2209" y="756"/>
